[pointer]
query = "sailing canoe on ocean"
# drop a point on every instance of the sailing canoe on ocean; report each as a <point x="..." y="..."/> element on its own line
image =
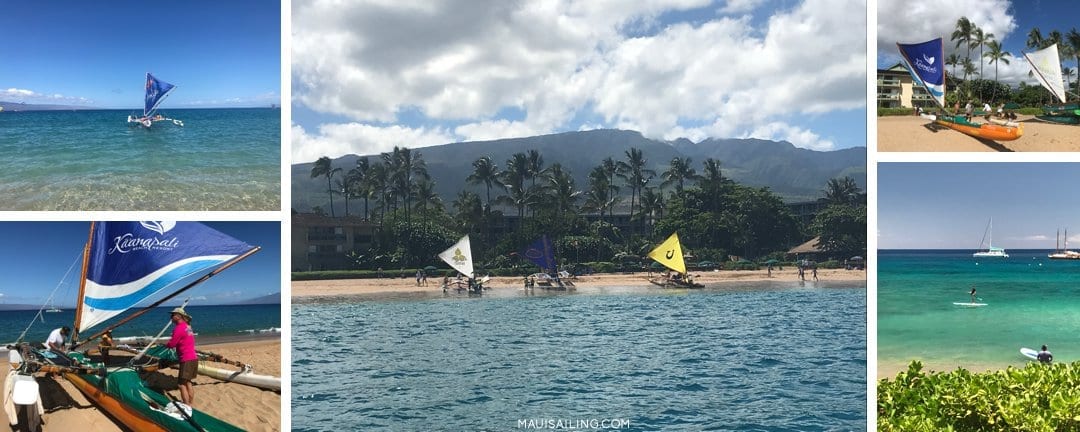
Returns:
<point x="156" y="92"/>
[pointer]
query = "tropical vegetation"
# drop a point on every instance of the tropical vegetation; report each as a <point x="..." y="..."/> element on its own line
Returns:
<point x="617" y="217"/>
<point x="1034" y="398"/>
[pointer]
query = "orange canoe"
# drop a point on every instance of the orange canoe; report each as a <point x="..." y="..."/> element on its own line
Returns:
<point x="985" y="130"/>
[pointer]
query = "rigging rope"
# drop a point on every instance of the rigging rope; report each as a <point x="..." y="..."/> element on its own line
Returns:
<point x="50" y="299"/>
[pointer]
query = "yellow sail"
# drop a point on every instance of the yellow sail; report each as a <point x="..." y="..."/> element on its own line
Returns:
<point x="669" y="253"/>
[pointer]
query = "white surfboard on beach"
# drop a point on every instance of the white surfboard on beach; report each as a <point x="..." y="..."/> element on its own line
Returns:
<point x="1029" y="353"/>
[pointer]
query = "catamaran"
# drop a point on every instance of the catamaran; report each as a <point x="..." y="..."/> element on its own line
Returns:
<point x="541" y="253"/>
<point x="988" y="240"/>
<point x="112" y="283"/>
<point x="926" y="63"/>
<point x="670" y="255"/>
<point x="1046" y="66"/>
<point x="156" y="92"/>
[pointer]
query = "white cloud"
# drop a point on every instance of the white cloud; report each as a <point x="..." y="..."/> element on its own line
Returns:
<point x="32" y="97"/>
<point x="335" y="140"/>
<point x="740" y="6"/>
<point x="463" y="62"/>
<point x="922" y="20"/>
<point x="799" y="137"/>
<point x="14" y="92"/>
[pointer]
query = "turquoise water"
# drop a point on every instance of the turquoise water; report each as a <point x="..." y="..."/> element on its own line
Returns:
<point x="233" y="320"/>
<point x="770" y="356"/>
<point x="1031" y="301"/>
<point x="222" y="159"/>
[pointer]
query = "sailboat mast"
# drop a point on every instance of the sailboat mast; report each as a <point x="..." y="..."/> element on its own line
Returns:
<point x="150" y="307"/>
<point x="82" y="286"/>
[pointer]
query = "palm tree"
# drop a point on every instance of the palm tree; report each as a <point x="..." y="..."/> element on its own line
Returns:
<point x="1035" y="39"/>
<point x="980" y="39"/>
<point x="359" y="184"/>
<point x="406" y="169"/>
<point x="377" y="186"/>
<point x="712" y="183"/>
<point x="611" y="169"/>
<point x="485" y="171"/>
<point x="634" y="173"/>
<point x="842" y="191"/>
<point x="561" y="187"/>
<point x="679" y="171"/>
<point x="600" y="197"/>
<point x="425" y="194"/>
<point x="468" y="211"/>
<point x="652" y="205"/>
<point x="1067" y="73"/>
<point x="964" y="33"/>
<point x="952" y="60"/>
<point x="322" y="167"/>
<point x="1073" y="38"/>
<point x="996" y="55"/>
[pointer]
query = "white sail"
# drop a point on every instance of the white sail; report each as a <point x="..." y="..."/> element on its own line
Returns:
<point x="459" y="256"/>
<point x="1046" y="66"/>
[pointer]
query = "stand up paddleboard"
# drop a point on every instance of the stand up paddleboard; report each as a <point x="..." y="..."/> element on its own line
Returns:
<point x="969" y="304"/>
<point x="1029" y="353"/>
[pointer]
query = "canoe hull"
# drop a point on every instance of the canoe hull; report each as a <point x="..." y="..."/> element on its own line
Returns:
<point x="1061" y="119"/>
<point x="986" y="131"/>
<point x="241" y="377"/>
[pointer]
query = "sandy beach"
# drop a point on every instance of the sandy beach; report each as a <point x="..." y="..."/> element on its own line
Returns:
<point x="313" y="290"/>
<point x="889" y="368"/>
<point x="916" y="134"/>
<point x="245" y="407"/>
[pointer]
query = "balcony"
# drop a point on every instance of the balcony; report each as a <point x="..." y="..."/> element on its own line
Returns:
<point x="888" y="83"/>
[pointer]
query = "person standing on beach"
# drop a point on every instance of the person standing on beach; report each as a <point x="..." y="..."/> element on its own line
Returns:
<point x="814" y="272"/>
<point x="969" y="109"/>
<point x="183" y="341"/>
<point x="56" y="339"/>
<point x="1044" y="356"/>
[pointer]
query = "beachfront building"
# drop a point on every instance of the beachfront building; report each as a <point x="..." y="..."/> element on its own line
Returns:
<point x="895" y="89"/>
<point x="321" y="242"/>
<point x="806" y="211"/>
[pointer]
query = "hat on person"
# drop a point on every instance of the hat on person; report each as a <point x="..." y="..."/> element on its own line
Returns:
<point x="180" y="311"/>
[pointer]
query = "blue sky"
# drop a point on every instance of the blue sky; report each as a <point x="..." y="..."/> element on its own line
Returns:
<point x="97" y="54"/>
<point x="35" y="256"/>
<point x="1009" y="21"/>
<point x="368" y="76"/>
<point x="948" y="205"/>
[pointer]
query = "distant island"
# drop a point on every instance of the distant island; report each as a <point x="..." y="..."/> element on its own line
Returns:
<point x="17" y="106"/>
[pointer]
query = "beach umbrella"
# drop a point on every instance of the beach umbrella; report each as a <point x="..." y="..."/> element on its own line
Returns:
<point x="772" y="261"/>
<point x="856" y="258"/>
<point x="656" y="265"/>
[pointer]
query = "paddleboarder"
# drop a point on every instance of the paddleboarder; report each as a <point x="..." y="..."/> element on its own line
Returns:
<point x="973" y="293"/>
<point x="1044" y="356"/>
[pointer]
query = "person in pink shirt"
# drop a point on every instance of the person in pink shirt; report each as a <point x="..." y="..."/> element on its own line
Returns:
<point x="183" y="341"/>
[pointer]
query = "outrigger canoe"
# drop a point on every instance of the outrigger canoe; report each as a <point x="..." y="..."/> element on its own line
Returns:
<point x="988" y="131"/>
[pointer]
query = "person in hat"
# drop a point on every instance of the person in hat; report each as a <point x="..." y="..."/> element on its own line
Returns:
<point x="183" y="341"/>
<point x="104" y="345"/>
<point x="56" y="339"/>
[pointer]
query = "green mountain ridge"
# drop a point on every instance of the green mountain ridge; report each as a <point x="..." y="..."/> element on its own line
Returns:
<point x="794" y="173"/>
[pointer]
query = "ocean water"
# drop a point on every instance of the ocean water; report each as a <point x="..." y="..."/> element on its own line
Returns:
<point x="222" y="159"/>
<point x="224" y="321"/>
<point x="1030" y="299"/>
<point x="771" y="356"/>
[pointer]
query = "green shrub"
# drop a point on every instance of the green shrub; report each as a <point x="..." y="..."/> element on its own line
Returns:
<point x="881" y="112"/>
<point x="1035" y="398"/>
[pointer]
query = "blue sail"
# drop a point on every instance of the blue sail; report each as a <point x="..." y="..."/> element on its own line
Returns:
<point x="131" y="261"/>
<point x="926" y="63"/>
<point x="156" y="90"/>
<point x="541" y="253"/>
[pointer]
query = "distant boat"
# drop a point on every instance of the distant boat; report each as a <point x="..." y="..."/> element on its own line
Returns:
<point x="156" y="92"/>
<point x="53" y="308"/>
<point x="988" y="239"/>
<point x="542" y="253"/>
<point x="1063" y="253"/>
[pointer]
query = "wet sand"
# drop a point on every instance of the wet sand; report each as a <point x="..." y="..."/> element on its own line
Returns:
<point x="916" y="134"/>
<point x="245" y="407"/>
<point x="313" y="290"/>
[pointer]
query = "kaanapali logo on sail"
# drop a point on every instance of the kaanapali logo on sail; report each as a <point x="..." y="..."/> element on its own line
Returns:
<point x="926" y="64"/>
<point x="130" y="243"/>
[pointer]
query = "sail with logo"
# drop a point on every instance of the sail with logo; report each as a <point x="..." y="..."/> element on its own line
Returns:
<point x="542" y="253"/>
<point x="131" y="261"/>
<point x="156" y="92"/>
<point x="1046" y="66"/>
<point x="459" y="256"/>
<point x="925" y="62"/>
<point x="670" y="255"/>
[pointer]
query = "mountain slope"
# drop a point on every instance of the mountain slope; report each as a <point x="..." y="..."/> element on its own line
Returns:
<point x="795" y="174"/>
